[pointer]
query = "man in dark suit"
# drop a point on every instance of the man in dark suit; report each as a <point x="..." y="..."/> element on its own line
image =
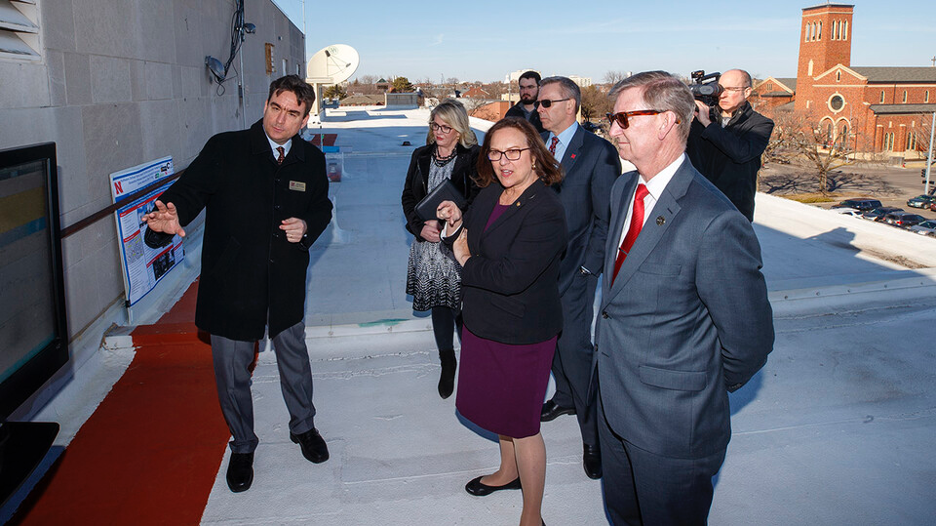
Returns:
<point x="684" y="316"/>
<point x="526" y="108"/>
<point x="726" y="143"/>
<point x="590" y="165"/>
<point x="265" y="197"/>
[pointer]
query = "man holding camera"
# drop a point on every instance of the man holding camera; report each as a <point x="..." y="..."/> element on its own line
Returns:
<point x="726" y="142"/>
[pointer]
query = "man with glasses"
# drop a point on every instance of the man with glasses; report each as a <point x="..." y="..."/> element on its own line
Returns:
<point x="726" y="143"/>
<point x="590" y="165"/>
<point x="526" y="109"/>
<point x="265" y="197"/>
<point x="684" y="316"/>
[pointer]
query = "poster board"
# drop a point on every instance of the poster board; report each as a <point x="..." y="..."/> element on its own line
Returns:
<point x="143" y="267"/>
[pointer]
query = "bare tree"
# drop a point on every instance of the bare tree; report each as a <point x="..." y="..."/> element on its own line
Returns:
<point x="595" y="103"/>
<point x="613" y="77"/>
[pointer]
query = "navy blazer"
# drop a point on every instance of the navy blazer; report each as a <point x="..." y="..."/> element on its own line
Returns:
<point x="510" y="284"/>
<point x="590" y="166"/>
<point x="686" y="320"/>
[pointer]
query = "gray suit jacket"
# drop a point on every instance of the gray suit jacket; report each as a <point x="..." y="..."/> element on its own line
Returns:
<point x="686" y="320"/>
<point x="591" y="165"/>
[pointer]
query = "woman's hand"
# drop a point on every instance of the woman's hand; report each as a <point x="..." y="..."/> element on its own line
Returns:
<point x="451" y="214"/>
<point x="460" y="248"/>
<point x="430" y="231"/>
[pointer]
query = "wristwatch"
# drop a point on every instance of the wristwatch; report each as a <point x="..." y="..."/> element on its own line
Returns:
<point x="584" y="271"/>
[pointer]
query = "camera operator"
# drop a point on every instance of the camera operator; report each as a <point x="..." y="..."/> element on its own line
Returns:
<point x="726" y="142"/>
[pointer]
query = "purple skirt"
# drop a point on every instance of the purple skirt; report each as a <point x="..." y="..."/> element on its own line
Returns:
<point x="501" y="387"/>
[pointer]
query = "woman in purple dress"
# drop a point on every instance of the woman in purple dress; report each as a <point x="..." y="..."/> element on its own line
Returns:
<point x="509" y="244"/>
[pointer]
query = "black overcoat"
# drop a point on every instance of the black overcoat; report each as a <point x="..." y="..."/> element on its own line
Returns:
<point x="248" y="266"/>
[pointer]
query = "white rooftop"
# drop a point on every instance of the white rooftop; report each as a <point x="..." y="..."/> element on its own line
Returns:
<point x="838" y="428"/>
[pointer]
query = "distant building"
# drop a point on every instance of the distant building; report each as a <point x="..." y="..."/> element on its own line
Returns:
<point x="475" y="92"/>
<point x="583" y="82"/>
<point x="876" y="109"/>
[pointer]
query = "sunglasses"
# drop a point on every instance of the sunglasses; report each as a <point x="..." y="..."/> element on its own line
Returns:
<point x="622" y="118"/>
<point x="546" y="103"/>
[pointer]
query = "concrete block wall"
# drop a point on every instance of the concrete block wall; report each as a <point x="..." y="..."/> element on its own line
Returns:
<point x="120" y="83"/>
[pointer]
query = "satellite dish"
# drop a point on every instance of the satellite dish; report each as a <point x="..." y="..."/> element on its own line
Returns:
<point x="333" y="64"/>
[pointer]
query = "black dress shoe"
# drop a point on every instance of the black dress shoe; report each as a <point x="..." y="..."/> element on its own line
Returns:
<point x="552" y="410"/>
<point x="312" y="444"/>
<point x="479" y="489"/>
<point x="592" y="462"/>
<point x="240" y="472"/>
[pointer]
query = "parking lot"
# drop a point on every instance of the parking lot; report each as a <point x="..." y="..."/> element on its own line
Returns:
<point x="892" y="185"/>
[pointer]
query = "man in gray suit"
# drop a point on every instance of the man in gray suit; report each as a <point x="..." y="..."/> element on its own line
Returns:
<point x="684" y="315"/>
<point x="590" y="165"/>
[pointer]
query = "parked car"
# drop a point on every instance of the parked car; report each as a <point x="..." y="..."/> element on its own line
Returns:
<point x="903" y="219"/>
<point x="933" y="207"/>
<point x="878" y="213"/>
<point x="863" y="205"/>
<point x="926" y="228"/>
<point x="921" y="201"/>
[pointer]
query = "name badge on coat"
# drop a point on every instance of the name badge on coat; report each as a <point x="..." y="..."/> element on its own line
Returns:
<point x="297" y="186"/>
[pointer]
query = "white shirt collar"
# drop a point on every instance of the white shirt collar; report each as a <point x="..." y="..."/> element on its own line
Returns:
<point x="274" y="146"/>
<point x="656" y="185"/>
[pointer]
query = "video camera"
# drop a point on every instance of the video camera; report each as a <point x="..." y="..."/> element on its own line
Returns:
<point x="705" y="88"/>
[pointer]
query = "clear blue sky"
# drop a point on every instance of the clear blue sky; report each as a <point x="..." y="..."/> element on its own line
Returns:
<point x="484" y="40"/>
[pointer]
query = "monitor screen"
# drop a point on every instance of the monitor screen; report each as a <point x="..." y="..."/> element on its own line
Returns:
<point x="33" y="330"/>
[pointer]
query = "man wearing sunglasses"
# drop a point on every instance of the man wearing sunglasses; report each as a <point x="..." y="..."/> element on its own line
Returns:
<point x="590" y="165"/>
<point x="684" y="316"/>
<point x="726" y="143"/>
<point x="526" y="108"/>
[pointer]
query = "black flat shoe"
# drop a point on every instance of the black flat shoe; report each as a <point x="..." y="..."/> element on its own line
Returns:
<point x="240" y="472"/>
<point x="312" y="444"/>
<point x="551" y="411"/>
<point x="479" y="489"/>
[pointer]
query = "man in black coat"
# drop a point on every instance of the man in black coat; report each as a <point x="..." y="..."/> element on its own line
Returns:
<point x="265" y="196"/>
<point x="526" y="108"/>
<point x="726" y="143"/>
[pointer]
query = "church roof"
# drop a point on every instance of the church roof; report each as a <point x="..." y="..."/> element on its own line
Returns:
<point x="896" y="73"/>
<point x="893" y="109"/>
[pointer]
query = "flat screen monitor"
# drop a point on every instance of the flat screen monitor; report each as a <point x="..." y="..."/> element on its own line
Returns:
<point x="33" y="328"/>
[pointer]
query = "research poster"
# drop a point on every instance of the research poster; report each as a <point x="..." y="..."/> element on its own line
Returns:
<point x="143" y="266"/>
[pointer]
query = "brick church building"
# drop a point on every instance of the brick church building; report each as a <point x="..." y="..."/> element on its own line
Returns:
<point x="876" y="109"/>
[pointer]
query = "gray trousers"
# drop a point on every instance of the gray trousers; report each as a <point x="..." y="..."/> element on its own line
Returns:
<point x="232" y="358"/>
<point x="572" y="363"/>
<point x="641" y="488"/>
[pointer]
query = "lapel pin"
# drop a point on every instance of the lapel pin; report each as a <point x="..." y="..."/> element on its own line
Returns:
<point x="660" y="220"/>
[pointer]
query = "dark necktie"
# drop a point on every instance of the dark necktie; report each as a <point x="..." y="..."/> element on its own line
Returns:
<point x="635" y="225"/>
<point x="552" y="145"/>
<point x="282" y="154"/>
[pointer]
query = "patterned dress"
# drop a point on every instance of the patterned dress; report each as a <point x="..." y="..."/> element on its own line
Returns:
<point x="433" y="277"/>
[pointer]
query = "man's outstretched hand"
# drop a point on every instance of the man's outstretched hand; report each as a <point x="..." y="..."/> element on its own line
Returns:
<point x="164" y="219"/>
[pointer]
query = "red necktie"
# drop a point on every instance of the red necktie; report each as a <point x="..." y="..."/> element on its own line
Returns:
<point x="552" y="145"/>
<point x="635" y="225"/>
<point x="282" y="154"/>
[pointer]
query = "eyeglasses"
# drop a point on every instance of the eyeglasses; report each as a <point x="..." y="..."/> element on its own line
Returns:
<point x="742" y="88"/>
<point x="546" y="103"/>
<point x="512" y="154"/>
<point x="622" y="117"/>
<point x="439" y="127"/>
